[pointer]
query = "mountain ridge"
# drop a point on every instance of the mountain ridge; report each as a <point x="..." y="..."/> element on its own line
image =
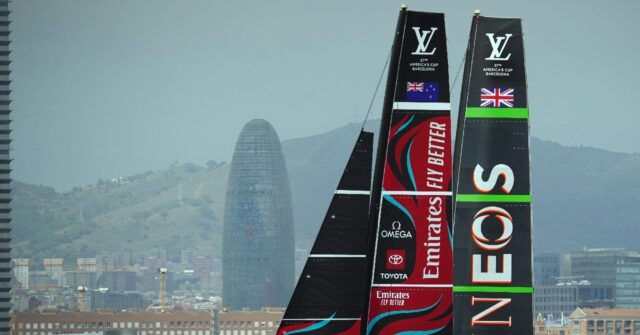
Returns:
<point x="575" y="191"/>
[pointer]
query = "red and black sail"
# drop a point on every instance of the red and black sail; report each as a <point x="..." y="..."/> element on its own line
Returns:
<point x="492" y="230"/>
<point x="329" y="297"/>
<point x="411" y="274"/>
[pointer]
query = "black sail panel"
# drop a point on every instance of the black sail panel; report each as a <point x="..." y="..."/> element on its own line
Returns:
<point x="343" y="230"/>
<point x="492" y="230"/>
<point x="329" y="297"/>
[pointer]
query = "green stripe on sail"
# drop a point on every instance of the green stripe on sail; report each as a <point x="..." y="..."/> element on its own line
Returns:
<point x="497" y="113"/>
<point x="493" y="289"/>
<point x="493" y="198"/>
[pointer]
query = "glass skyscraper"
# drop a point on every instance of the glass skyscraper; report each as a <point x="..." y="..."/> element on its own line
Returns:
<point x="5" y="169"/>
<point x="258" y="240"/>
<point x="628" y="283"/>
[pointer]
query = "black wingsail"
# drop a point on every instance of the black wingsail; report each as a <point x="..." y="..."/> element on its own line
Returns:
<point x="492" y="215"/>
<point x="329" y="297"/>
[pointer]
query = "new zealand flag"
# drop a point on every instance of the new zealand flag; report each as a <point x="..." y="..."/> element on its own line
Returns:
<point x="419" y="91"/>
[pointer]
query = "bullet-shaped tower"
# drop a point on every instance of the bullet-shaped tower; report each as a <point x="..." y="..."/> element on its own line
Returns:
<point x="258" y="242"/>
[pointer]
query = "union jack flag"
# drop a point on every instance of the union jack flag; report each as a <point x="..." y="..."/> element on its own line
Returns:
<point x="415" y="86"/>
<point x="496" y="97"/>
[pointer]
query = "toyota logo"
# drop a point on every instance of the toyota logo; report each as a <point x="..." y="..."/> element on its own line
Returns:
<point x="396" y="259"/>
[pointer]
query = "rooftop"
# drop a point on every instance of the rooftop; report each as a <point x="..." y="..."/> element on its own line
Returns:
<point x="111" y="316"/>
<point x="580" y="313"/>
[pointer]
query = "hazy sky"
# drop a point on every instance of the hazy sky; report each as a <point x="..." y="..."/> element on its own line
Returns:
<point x="112" y="88"/>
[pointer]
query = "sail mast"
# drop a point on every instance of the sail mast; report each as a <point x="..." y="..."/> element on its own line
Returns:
<point x="492" y="247"/>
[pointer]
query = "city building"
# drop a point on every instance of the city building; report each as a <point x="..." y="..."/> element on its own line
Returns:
<point x="149" y="281"/>
<point x="627" y="290"/>
<point x="605" y="321"/>
<point x="211" y="283"/>
<point x="598" y="266"/>
<point x="556" y="302"/>
<point x="216" y="264"/>
<point x="24" y="301"/>
<point x="155" y="259"/>
<point x="41" y="280"/>
<point x="584" y="321"/>
<point x="87" y="264"/>
<point x="543" y="327"/>
<point x="187" y="256"/>
<point x="258" y="243"/>
<point x="250" y="322"/>
<point x="546" y="268"/>
<point x="241" y="322"/>
<point x="105" y="322"/>
<point x="118" y="281"/>
<point x="5" y="168"/>
<point x="21" y="271"/>
<point x="201" y="266"/>
<point x="73" y="279"/>
<point x="113" y="261"/>
<point x="116" y="300"/>
<point x="54" y="268"/>
<point x="152" y="262"/>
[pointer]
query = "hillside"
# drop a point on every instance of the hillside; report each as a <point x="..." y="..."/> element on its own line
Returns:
<point x="582" y="197"/>
<point x="173" y="209"/>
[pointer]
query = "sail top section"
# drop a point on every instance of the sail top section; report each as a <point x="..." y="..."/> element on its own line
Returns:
<point x="423" y="57"/>
<point x="497" y="62"/>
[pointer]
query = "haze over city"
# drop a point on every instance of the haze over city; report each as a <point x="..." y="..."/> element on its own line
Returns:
<point x="107" y="89"/>
<point x="224" y="168"/>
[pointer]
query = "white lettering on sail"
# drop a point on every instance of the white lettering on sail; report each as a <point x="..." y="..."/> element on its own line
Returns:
<point x="436" y="155"/>
<point x="386" y="275"/>
<point x="491" y="275"/>
<point x="479" y="319"/>
<point x="484" y="186"/>
<point x="396" y="234"/>
<point x="434" y="232"/>
<point x="396" y="231"/>
<point x="507" y="228"/>
<point x="392" y="295"/>
<point x="498" y="44"/>
<point x="424" y="39"/>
